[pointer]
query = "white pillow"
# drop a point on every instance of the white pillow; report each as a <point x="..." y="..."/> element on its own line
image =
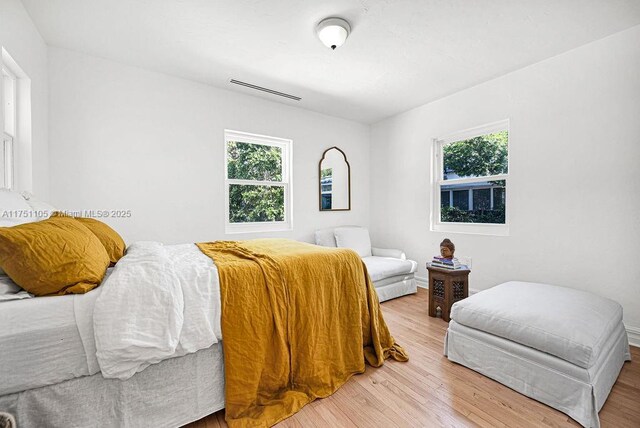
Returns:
<point x="40" y="210"/>
<point x="13" y="207"/>
<point x="356" y="238"/>
<point x="325" y="238"/>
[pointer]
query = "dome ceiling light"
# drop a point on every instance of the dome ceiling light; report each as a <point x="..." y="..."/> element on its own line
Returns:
<point x="333" y="32"/>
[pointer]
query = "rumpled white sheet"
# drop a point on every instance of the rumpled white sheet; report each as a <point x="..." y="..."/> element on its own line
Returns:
<point x="159" y="302"/>
<point x="9" y="290"/>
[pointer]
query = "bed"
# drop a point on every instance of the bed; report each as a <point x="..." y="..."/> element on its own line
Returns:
<point x="145" y="348"/>
<point x="51" y="376"/>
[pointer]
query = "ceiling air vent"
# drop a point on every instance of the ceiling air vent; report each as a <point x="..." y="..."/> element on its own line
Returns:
<point x="267" y="90"/>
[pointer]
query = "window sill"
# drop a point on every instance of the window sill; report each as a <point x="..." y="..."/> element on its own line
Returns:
<point x="472" y="228"/>
<point x="233" y="228"/>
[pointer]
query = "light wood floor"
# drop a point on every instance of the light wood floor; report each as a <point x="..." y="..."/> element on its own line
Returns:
<point x="431" y="391"/>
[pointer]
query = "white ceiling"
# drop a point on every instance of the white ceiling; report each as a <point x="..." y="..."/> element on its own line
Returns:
<point x="400" y="54"/>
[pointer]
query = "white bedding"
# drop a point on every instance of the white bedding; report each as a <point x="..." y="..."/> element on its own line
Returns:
<point x="41" y="342"/>
<point x="160" y="302"/>
<point x="9" y="290"/>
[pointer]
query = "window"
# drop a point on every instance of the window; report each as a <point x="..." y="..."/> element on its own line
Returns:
<point x="258" y="183"/>
<point x="15" y="125"/>
<point x="9" y="92"/>
<point x="471" y="170"/>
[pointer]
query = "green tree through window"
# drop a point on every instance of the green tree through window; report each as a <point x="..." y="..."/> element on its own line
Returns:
<point x="260" y="202"/>
<point x="479" y="156"/>
<point x="475" y="158"/>
<point x="246" y="161"/>
<point x="249" y="203"/>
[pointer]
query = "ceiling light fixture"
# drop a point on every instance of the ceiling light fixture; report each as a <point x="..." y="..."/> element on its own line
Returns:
<point x="333" y="32"/>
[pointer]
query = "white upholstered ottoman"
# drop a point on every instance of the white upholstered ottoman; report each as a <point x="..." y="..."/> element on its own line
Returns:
<point x="560" y="346"/>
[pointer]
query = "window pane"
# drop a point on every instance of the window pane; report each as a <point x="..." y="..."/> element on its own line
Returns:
<point x="461" y="199"/>
<point x="482" y="211"/>
<point x="476" y="157"/>
<point x="444" y="199"/>
<point x="250" y="204"/>
<point x="246" y="161"/>
<point x="481" y="199"/>
<point x="499" y="194"/>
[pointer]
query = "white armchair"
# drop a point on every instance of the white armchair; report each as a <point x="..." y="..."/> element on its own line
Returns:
<point x="388" y="252"/>
<point x="392" y="274"/>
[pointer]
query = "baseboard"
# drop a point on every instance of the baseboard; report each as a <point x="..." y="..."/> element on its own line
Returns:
<point x="634" y="336"/>
<point x="422" y="282"/>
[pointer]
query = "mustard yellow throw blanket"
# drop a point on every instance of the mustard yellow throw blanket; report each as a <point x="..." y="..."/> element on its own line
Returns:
<point x="297" y="322"/>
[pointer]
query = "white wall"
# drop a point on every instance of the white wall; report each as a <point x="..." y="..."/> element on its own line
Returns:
<point x="575" y="173"/>
<point x="21" y="39"/>
<point x="125" y="138"/>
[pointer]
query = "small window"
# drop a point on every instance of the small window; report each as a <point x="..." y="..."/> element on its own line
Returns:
<point x="258" y="183"/>
<point x="471" y="175"/>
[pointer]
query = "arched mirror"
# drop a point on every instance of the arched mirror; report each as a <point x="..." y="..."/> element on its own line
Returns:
<point x="335" y="181"/>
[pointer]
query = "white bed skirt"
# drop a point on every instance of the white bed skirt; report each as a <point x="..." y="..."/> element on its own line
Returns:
<point x="171" y="393"/>
<point x="575" y="391"/>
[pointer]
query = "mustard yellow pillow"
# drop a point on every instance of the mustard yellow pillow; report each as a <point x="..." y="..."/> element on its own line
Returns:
<point x="55" y="256"/>
<point x="110" y="239"/>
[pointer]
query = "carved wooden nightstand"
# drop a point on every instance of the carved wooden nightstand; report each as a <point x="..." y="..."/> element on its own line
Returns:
<point x="445" y="288"/>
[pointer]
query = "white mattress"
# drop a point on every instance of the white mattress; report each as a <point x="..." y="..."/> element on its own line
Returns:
<point x="46" y="340"/>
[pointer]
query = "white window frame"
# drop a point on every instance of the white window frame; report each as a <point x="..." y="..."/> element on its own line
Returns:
<point x="11" y="75"/>
<point x="437" y="180"/>
<point x="287" y="155"/>
<point x="8" y="181"/>
<point x="15" y="142"/>
<point x="8" y="138"/>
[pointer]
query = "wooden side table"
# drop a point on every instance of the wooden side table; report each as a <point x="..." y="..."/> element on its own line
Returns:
<point x="445" y="288"/>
